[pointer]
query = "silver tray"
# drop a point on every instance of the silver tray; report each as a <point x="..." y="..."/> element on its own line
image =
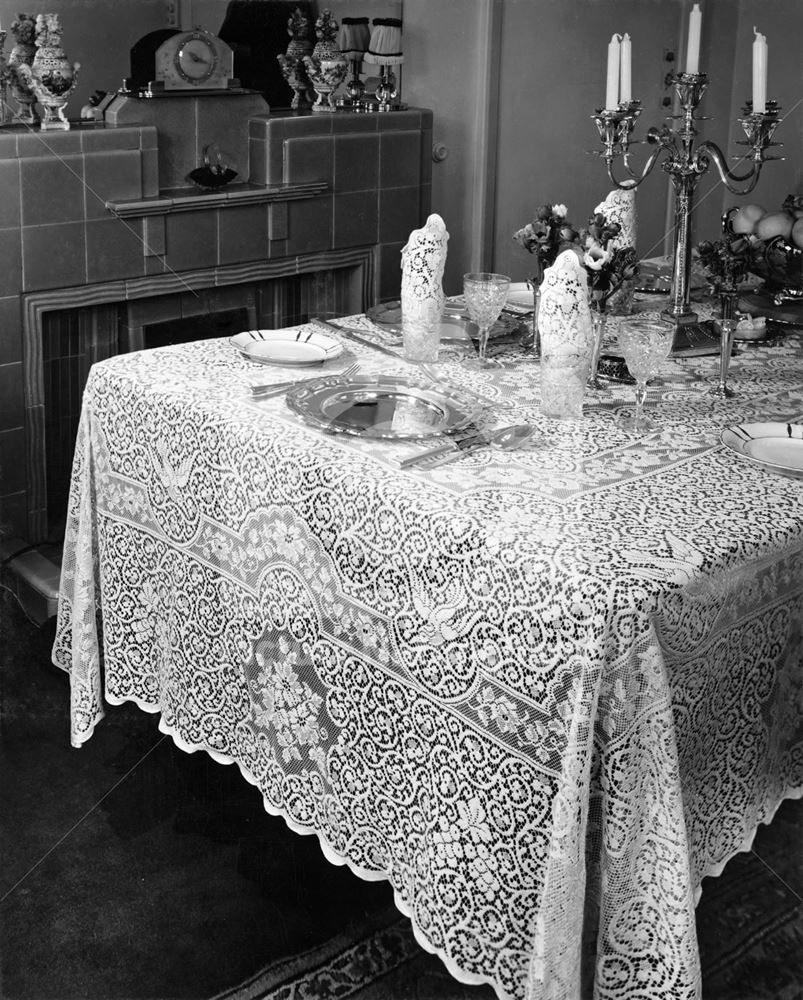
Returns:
<point x="385" y="407"/>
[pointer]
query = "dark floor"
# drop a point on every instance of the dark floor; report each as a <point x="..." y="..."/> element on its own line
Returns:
<point x="133" y="871"/>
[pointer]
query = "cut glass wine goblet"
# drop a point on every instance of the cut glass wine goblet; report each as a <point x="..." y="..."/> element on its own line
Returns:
<point x="485" y="295"/>
<point x="645" y="345"/>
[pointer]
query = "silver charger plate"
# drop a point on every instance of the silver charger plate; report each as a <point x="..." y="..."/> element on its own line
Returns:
<point x="388" y="407"/>
<point x="774" y="446"/>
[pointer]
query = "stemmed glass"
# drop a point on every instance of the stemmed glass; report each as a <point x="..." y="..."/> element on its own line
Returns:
<point x="485" y="295"/>
<point x="645" y="345"/>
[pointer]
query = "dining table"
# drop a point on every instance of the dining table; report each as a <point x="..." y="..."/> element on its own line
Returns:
<point x="543" y="691"/>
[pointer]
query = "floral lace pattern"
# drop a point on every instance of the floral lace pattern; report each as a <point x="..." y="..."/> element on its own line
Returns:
<point x="542" y="692"/>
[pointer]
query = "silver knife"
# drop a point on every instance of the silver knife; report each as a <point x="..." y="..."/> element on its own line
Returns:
<point x="450" y="449"/>
<point x="345" y="331"/>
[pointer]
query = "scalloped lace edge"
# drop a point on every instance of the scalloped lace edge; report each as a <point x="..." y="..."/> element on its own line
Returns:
<point x="368" y="875"/>
<point x="471" y="979"/>
<point x="715" y="869"/>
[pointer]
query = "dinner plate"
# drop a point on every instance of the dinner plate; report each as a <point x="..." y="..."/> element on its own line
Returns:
<point x="520" y="296"/>
<point x="294" y="345"/>
<point x="387" y="407"/>
<point x="774" y="446"/>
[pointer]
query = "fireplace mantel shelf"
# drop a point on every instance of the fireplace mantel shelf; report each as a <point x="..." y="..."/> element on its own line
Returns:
<point x="192" y="199"/>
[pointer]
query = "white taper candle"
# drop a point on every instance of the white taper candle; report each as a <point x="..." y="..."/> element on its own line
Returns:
<point x="759" y="72"/>
<point x="693" y="46"/>
<point x="612" y="88"/>
<point x="626" y="73"/>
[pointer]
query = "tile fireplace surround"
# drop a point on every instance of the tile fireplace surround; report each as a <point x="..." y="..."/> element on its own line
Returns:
<point x="101" y="215"/>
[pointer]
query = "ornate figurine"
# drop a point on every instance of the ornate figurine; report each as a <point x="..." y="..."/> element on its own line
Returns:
<point x="23" y="28"/>
<point x="292" y="62"/>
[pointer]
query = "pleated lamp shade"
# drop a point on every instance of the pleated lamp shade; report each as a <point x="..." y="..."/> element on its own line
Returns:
<point x="385" y="47"/>
<point x="354" y="37"/>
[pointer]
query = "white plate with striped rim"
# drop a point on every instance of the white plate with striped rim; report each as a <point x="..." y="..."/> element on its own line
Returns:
<point x="294" y="345"/>
<point x="774" y="446"/>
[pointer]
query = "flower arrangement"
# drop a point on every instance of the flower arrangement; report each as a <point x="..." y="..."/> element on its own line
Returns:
<point x="550" y="233"/>
<point x="547" y="236"/>
<point x="48" y="30"/>
<point x="726" y="261"/>
<point x="23" y="28"/>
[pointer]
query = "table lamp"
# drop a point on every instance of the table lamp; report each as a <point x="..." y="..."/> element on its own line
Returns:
<point x="385" y="50"/>
<point x="353" y="41"/>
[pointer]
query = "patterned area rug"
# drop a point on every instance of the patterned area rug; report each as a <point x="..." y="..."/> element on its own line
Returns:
<point x="749" y="925"/>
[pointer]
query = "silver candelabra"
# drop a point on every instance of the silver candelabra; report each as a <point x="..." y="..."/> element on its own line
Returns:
<point x="685" y="164"/>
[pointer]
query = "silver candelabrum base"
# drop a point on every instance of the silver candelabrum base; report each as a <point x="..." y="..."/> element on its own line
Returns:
<point x="692" y="337"/>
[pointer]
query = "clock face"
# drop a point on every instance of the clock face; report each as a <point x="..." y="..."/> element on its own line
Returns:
<point x="193" y="60"/>
<point x="196" y="60"/>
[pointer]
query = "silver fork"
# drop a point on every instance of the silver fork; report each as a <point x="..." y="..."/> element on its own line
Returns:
<point x="278" y="388"/>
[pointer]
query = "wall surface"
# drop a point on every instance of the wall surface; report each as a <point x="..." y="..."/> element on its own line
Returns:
<point x="551" y="57"/>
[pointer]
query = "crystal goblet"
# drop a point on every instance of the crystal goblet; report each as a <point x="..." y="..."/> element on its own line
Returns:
<point x="645" y="345"/>
<point x="485" y="295"/>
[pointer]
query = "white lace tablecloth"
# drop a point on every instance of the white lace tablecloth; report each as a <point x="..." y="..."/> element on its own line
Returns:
<point x="543" y="692"/>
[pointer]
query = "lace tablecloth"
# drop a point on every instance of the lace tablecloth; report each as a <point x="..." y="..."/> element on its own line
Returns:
<point x="543" y="692"/>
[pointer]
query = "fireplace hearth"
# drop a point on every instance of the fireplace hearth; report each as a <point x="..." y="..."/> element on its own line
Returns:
<point x="100" y="258"/>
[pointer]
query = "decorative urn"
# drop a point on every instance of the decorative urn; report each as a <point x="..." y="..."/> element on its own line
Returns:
<point x="326" y="67"/>
<point x="51" y="76"/>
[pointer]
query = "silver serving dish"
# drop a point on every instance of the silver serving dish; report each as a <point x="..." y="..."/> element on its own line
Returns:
<point x="384" y="407"/>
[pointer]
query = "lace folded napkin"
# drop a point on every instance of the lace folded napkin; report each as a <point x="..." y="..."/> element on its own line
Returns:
<point x="422" y="298"/>
<point x="564" y="323"/>
<point x="620" y="206"/>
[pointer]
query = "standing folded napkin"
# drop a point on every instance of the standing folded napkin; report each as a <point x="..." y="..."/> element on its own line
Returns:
<point x="564" y="323"/>
<point x="620" y="206"/>
<point x="422" y="298"/>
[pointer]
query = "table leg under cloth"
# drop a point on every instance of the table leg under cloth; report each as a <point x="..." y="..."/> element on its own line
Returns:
<point x="264" y="627"/>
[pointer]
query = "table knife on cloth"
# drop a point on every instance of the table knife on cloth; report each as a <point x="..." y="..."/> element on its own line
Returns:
<point x="452" y="448"/>
<point x="503" y="438"/>
<point x="356" y="336"/>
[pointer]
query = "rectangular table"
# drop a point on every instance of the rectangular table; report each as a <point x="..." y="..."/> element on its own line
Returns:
<point x="543" y="692"/>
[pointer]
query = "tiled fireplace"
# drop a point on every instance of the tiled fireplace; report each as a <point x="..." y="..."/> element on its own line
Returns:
<point x="104" y="248"/>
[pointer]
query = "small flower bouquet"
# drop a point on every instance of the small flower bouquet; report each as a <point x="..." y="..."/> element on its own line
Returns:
<point x="548" y="235"/>
<point x="607" y="268"/>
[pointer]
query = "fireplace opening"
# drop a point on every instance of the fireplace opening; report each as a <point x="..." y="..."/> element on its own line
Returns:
<point x="186" y="329"/>
<point x="73" y="339"/>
